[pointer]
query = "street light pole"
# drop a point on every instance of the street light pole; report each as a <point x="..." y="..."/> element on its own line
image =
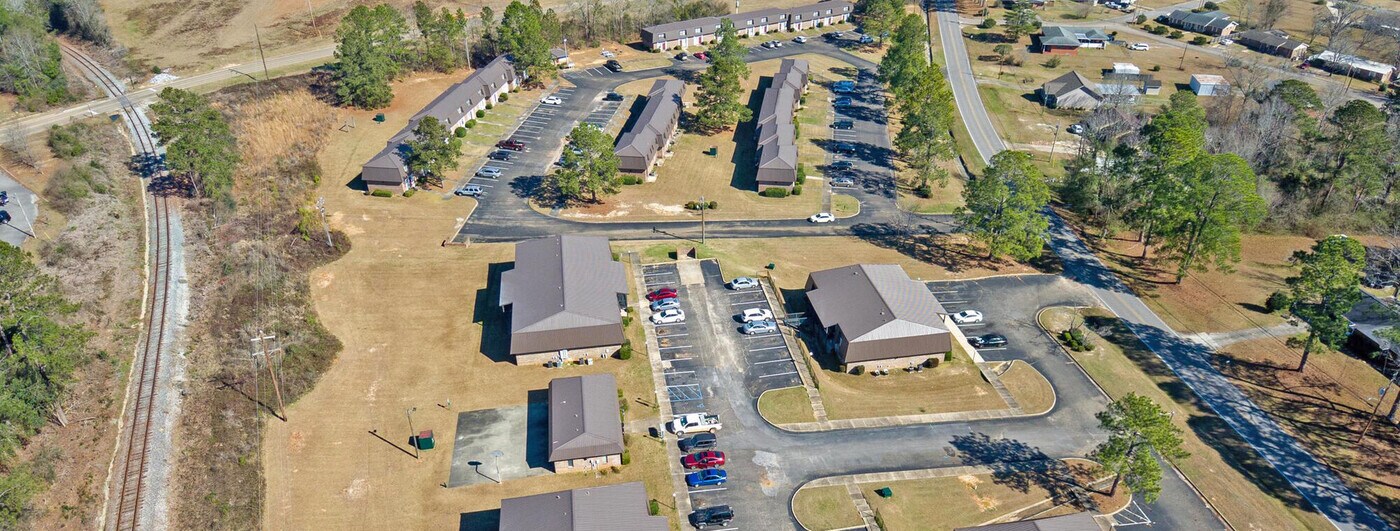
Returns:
<point x="412" y="435"/>
<point x="496" y="461"/>
<point x="702" y="220"/>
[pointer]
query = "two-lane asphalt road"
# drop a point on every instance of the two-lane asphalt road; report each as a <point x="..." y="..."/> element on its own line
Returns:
<point x="1190" y="361"/>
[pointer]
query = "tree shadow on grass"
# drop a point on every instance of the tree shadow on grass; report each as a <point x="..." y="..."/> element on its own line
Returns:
<point x="1210" y="428"/>
<point x="923" y="243"/>
<point x="1021" y="467"/>
<point x="494" y="321"/>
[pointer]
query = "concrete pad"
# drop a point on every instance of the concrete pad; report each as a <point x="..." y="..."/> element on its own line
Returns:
<point x="521" y="433"/>
<point x="23" y="208"/>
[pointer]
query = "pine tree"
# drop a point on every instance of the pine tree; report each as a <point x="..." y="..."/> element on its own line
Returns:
<point x="1325" y="289"/>
<point x="721" y="85"/>
<point x="1137" y="427"/>
<point x="433" y="152"/>
<point x="198" y="142"/>
<point x="370" y="45"/>
<point x="1003" y="207"/>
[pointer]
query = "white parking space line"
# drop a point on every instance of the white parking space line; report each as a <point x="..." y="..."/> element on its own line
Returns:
<point x="741" y="303"/>
<point x="953" y="302"/>
<point x="991" y="349"/>
<point x="678" y="372"/>
<point x="759" y="336"/>
<point x="769" y="361"/>
<point x="676" y="347"/>
<point x="936" y="292"/>
<point x="777" y="375"/>
<point x="685" y="385"/>
<point x="708" y="490"/>
<point x="766" y="348"/>
<point x="971" y="325"/>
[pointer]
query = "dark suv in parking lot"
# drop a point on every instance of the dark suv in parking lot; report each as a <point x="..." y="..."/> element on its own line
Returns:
<point x="613" y="65"/>
<point x="988" y="340"/>
<point x="719" y="515"/>
<point x="699" y="441"/>
<point x="499" y="154"/>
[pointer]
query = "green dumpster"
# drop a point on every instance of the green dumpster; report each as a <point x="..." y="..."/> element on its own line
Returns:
<point x="424" y="440"/>
<point x="884" y="492"/>
<point x="714" y="151"/>
<point x="379" y="117"/>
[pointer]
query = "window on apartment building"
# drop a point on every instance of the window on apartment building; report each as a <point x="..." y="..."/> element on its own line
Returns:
<point x="763" y="20"/>
<point x="828" y="11"/>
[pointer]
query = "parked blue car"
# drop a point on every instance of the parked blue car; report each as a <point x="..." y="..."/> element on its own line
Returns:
<point x="841" y="87"/>
<point x="706" y="478"/>
<point x="843" y="101"/>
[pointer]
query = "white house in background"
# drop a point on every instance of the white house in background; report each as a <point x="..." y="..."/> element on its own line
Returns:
<point x="1357" y="67"/>
<point x="1209" y="85"/>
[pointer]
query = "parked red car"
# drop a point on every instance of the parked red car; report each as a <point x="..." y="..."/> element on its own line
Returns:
<point x="512" y="144"/>
<point x="702" y="460"/>
<point x="663" y="293"/>
<point x="702" y="56"/>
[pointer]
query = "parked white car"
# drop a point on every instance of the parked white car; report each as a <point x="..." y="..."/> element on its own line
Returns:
<point x="967" y="317"/>
<point x="471" y="190"/>
<point x="668" y="316"/>
<point x="552" y="100"/>
<point x="756" y="314"/>
<point x="824" y="217"/>
<point x="1139" y="47"/>
<point x="800" y="39"/>
<point x="743" y="283"/>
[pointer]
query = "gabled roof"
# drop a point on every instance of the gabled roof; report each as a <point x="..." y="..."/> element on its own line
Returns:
<point x="1210" y="19"/>
<point x="708" y="25"/>
<point x="561" y="283"/>
<point x="558" y="53"/>
<point x="584" y="421"/>
<point x="1354" y="62"/>
<point x="1068" y="83"/>
<point x="1057" y="36"/>
<point x="652" y="125"/>
<point x="621" y="507"/>
<point x="1269" y="39"/>
<point x="776" y="138"/>
<point x="871" y="302"/>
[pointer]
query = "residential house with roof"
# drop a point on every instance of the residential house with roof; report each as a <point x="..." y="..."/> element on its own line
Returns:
<point x="1126" y="79"/>
<point x="1070" y="91"/>
<point x="1353" y="66"/>
<point x="874" y="315"/>
<point x="565" y="298"/>
<point x="700" y="31"/>
<point x="1065" y="40"/>
<point x="1209" y="85"/>
<point x="620" y="507"/>
<point x="1214" y="23"/>
<point x="775" y="130"/>
<point x="1273" y="42"/>
<point x="645" y="141"/>
<point x="459" y="103"/>
<point x="560" y="56"/>
<point x="585" y="425"/>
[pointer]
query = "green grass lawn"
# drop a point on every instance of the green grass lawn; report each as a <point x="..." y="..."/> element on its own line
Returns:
<point x="822" y="508"/>
<point x="786" y="406"/>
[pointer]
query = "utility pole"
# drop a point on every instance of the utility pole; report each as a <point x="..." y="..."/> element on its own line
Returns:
<point x="260" y="348"/>
<point x="412" y="435"/>
<point x="321" y="207"/>
<point x="1182" y="64"/>
<point x="1053" y="142"/>
<point x="258" y="36"/>
<point x="311" y="15"/>
<point x="702" y="219"/>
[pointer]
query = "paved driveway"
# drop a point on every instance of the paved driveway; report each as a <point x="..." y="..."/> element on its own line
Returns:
<point x="22" y="208"/>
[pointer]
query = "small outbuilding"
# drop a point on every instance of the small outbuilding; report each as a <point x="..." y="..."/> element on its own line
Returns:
<point x="585" y="426"/>
<point x="620" y="507"/>
<point x="874" y="315"/>
<point x="1209" y="85"/>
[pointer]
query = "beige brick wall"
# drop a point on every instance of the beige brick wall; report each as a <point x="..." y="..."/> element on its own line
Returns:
<point x="894" y="363"/>
<point x="592" y="463"/>
<point x="540" y="358"/>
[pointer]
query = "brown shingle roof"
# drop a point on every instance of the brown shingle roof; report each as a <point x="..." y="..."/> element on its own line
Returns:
<point x="583" y="417"/>
<point x="621" y="507"/>
<point x="871" y="302"/>
<point x="563" y="294"/>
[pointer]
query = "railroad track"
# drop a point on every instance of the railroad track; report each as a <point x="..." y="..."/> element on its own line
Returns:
<point x="137" y="428"/>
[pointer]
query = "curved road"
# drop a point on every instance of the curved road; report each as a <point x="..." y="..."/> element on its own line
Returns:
<point x="1189" y="360"/>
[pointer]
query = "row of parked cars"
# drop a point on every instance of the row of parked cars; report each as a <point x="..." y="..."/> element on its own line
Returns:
<point x="705" y="461"/>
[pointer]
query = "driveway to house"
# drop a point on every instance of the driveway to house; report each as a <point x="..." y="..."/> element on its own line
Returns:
<point x="23" y="208"/>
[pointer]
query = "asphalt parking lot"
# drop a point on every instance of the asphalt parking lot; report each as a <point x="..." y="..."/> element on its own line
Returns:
<point x="1009" y="305"/>
<point x="766" y="361"/>
<point x="22" y="207"/>
<point x="700" y="356"/>
<point x="540" y="130"/>
<point x="679" y="348"/>
<point x="870" y="160"/>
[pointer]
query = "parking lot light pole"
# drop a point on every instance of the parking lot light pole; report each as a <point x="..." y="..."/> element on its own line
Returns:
<point x="702" y="220"/>
<point x="412" y="435"/>
<point x="496" y="460"/>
